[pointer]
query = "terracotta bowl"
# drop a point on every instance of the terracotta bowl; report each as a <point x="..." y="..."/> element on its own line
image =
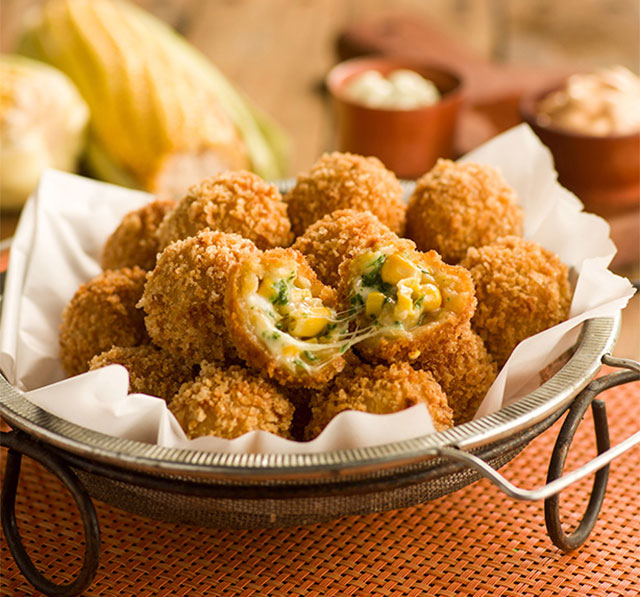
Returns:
<point x="603" y="171"/>
<point x="409" y="142"/>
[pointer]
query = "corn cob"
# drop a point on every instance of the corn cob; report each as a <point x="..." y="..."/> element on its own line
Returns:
<point x="162" y="116"/>
<point x="42" y="125"/>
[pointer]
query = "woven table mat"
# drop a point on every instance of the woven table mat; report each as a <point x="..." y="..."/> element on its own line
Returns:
<point x="473" y="542"/>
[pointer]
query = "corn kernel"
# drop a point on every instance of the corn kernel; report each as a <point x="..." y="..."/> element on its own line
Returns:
<point x="266" y="288"/>
<point x="375" y="300"/>
<point x="396" y="268"/>
<point x="432" y="298"/>
<point x="310" y="322"/>
<point x="404" y="307"/>
<point x="290" y="351"/>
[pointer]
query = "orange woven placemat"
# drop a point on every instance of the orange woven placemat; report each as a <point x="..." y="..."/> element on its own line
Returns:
<point x="474" y="541"/>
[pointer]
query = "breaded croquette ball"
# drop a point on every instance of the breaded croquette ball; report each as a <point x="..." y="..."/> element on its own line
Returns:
<point x="235" y="202"/>
<point x="183" y="296"/>
<point x="102" y="314"/>
<point x="229" y="402"/>
<point x="135" y="240"/>
<point x="522" y="289"/>
<point x="151" y="370"/>
<point x="381" y="389"/>
<point x="336" y="237"/>
<point x="403" y="302"/>
<point x="456" y="206"/>
<point x="282" y="319"/>
<point x="465" y="371"/>
<point x="346" y="181"/>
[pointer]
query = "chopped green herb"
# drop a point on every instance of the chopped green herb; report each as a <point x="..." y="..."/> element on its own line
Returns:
<point x="282" y="294"/>
<point x="344" y="348"/>
<point x="281" y="325"/>
<point x="373" y="279"/>
<point x="356" y="300"/>
<point x="310" y="356"/>
<point x="299" y="363"/>
<point x="420" y="301"/>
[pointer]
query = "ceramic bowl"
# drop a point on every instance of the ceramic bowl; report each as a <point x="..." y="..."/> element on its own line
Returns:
<point x="603" y="171"/>
<point x="409" y="142"/>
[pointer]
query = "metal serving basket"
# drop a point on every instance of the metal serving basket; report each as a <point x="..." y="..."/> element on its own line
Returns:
<point x="266" y="490"/>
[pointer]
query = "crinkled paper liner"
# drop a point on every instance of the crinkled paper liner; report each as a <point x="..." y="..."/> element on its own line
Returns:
<point x="65" y="224"/>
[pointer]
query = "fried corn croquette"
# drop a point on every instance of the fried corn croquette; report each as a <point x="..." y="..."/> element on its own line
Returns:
<point x="336" y="237"/>
<point x="151" y="370"/>
<point x="135" y="240"/>
<point x="465" y="371"/>
<point x="235" y="202"/>
<point x="229" y="402"/>
<point x="184" y="294"/>
<point x="381" y="389"/>
<point x="102" y="314"/>
<point x="522" y="289"/>
<point x="456" y="206"/>
<point x="404" y="302"/>
<point x="346" y="181"/>
<point x="282" y="319"/>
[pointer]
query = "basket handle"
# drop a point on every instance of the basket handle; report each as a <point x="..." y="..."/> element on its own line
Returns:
<point x="19" y="444"/>
<point x="556" y="481"/>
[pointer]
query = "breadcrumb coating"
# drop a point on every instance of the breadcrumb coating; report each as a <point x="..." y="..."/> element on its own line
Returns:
<point x="183" y="296"/>
<point x="135" y="240"/>
<point x="102" y="314"/>
<point x="250" y="343"/>
<point x="346" y="181"/>
<point x="229" y="402"/>
<point x="456" y="206"/>
<point x="151" y="370"/>
<point x="379" y="389"/>
<point x="465" y="371"/>
<point x="236" y="202"/>
<point x="522" y="289"/>
<point x="339" y="236"/>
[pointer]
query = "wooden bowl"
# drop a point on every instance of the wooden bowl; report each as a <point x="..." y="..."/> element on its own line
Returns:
<point x="409" y="142"/>
<point x="603" y="171"/>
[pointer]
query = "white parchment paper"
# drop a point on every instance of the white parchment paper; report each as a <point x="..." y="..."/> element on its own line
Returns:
<point x="65" y="224"/>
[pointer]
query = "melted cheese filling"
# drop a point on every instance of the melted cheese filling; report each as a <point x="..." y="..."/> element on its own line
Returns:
<point x="393" y="293"/>
<point x="293" y="325"/>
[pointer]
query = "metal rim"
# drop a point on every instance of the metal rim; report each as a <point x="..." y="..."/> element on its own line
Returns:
<point x="597" y="338"/>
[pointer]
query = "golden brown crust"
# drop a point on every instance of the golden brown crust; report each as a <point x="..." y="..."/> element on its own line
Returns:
<point x="522" y="289"/>
<point x="336" y="237"/>
<point x="235" y="202"/>
<point x="465" y="371"/>
<point x="135" y="240"/>
<point x="456" y="206"/>
<point x="102" y="314"/>
<point x="381" y="389"/>
<point x="248" y="345"/>
<point x="229" y="402"/>
<point x="152" y="370"/>
<point x="184" y="294"/>
<point x="458" y="295"/>
<point x="346" y="181"/>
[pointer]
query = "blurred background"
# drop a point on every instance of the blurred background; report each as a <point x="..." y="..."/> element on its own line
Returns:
<point x="278" y="54"/>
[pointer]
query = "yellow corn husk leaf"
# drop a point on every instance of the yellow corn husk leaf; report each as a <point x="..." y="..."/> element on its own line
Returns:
<point x="162" y="116"/>
<point x="42" y="125"/>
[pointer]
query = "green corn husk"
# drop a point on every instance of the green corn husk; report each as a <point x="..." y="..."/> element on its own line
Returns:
<point x="162" y="116"/>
